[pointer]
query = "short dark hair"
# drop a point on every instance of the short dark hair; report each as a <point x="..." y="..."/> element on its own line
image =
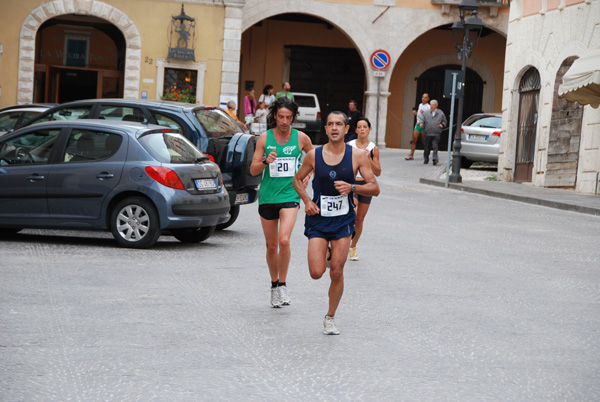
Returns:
<point x="282" y="103"/>
<point x="363" y="118"/>
<point x="353" y="101"/>
<point x="346" y="121"/>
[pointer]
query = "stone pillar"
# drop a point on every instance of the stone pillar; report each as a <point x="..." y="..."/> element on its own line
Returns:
<point x="371" y="106"/>
<point x="232" y="45"/>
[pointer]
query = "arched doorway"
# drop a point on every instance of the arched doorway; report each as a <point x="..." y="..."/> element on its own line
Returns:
<point x="78" y="57"/>
<point x="310" y="53"/>
<point x="529" y="94"/>
<point x="565" y="135"/>
<point x="432" y="82"/>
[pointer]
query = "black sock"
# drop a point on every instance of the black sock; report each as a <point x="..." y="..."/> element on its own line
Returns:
<point x="281" y="283"/>
<point x="274" y="284"/>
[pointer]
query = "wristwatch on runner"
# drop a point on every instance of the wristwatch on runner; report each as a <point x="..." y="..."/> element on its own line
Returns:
<point x="264" y="160"/>
<point x="354" y="188"/>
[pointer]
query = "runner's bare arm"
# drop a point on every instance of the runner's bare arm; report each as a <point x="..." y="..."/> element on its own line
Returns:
<point x="306" y="145"/>
<point x="362" y="161"/>
<point x="257" y="166"/>
<point x="308" y="166"/>
<point x="375" y="163"/>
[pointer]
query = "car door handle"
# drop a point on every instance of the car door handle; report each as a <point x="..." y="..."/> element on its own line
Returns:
<point x="35" y="177"/>
<point x="104" y="176"/>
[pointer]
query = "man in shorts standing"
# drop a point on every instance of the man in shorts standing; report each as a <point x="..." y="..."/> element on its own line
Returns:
<point x="278" y="156"/>
<point x="419" y="129"/>
<point x="330" y="213"/>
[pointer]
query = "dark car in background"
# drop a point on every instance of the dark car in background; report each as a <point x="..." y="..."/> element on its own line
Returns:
<point x="210" y="129"/>
<point x="136" y="180"/>
<point x="13" y="117"/>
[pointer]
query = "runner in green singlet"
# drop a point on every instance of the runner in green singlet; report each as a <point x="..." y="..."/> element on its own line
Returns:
<point x="278" y="157"/>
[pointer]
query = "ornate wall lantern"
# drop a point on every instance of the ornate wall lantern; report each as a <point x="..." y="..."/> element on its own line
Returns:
<point x="182" y="37"/>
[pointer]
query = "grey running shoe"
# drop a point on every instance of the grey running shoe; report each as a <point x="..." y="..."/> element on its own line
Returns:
<point x="284" y="298"/>
<point x="329" y="327"/>
<point x="275" y="300"/>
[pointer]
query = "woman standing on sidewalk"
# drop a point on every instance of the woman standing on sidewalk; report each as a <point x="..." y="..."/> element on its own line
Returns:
<point x="363" y="128"/>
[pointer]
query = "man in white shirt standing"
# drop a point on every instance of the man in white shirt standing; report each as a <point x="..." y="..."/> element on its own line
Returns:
<point x="419" y="129"/>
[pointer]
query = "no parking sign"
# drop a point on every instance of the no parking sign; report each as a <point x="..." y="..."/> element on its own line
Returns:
<point x="380" y="60"/>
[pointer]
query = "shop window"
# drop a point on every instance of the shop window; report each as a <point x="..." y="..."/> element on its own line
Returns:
<point x="180" y="76"/>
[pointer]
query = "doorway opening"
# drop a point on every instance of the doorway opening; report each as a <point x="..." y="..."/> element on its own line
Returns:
<point x="78" y="57"/>
<point x="432" y="82"/>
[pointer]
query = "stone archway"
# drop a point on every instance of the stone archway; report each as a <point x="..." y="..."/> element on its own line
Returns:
<point x="94" y="8"/>
<point x="437" y="60"/>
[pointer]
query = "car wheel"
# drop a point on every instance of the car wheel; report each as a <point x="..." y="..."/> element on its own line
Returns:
<point x="8" y="231"/>
<point x="194" y="235"/>
<point x="233" y="212"/>
<point x="465" y="163"/>
<point x="134" y="223"/>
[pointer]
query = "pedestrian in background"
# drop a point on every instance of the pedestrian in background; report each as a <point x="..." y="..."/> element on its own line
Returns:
<point x="418" y="130"/>
<point x="267" y="95"/>
<point x="353" y="115"/>
<point x="249" y="105"/>
<point x="434" y="122"/>
<point x="261" y="116"/>
<point x="285" y="92"/>
<point x="231" y="111"/>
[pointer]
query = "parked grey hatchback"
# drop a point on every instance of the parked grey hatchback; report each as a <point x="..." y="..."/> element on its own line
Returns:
<point x="136" y="180"/>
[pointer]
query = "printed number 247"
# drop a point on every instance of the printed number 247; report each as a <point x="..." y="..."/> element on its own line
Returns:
<point x="332" y="205"/>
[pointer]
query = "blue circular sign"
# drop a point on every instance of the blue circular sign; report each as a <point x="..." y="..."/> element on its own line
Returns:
<point x="380" y="60"/>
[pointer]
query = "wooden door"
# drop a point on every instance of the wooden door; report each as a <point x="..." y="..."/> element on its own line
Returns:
<point x="529" y="93"/>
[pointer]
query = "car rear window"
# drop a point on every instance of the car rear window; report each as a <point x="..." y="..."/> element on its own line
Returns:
<point x="170" y="148"/>
<point x="217" y="123"/>
<point x="484" y="121"/>
<point x="305" y="101"/>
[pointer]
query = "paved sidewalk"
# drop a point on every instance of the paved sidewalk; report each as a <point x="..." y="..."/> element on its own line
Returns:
<point x="523" y="192"/>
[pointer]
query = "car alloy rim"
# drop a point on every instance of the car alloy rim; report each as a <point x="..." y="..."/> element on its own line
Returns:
<point x="133" y="223"/>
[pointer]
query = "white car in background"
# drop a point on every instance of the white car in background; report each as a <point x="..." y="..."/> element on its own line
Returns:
<point x="480" y="138"/>
<point x="13" y="117"/>
<point x="309" y="115"/>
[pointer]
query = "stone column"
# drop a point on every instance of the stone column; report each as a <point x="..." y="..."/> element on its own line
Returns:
<point x="232" y="45"/>
<point x="371" y="106"/>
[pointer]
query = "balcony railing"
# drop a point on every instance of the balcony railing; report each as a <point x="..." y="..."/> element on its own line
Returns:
<point x="492" y="5"/>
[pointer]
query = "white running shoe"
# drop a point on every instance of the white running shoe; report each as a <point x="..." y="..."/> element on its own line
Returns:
<point x="353" y="255"/>
<point x="284" y="298"/>
<point x="329" y="327"/>
<point x="275" y="300"/>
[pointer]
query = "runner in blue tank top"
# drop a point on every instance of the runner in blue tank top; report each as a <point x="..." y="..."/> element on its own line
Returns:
<point x="330" y="213"/>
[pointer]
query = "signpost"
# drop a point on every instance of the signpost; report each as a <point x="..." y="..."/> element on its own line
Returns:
<point x="380" y="61"/>
<point x="452" y="88"/>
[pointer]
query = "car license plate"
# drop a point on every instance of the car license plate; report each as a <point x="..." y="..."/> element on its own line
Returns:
<point x="478" y="137"/>
<point x="203" y="184"/>
<point x="299" y="125"/>
<point x="242" y="198"/>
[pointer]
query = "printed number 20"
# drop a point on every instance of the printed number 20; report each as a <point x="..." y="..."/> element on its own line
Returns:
<point x="282" y="167"/>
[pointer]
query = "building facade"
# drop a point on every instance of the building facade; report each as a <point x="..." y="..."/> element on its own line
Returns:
<point x="55" y="51"/>
<point x="328" y="52"/>
<point x="547" y="140"/>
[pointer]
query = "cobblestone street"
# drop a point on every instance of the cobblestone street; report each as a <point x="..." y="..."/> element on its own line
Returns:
<point x="456" y="296"/>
